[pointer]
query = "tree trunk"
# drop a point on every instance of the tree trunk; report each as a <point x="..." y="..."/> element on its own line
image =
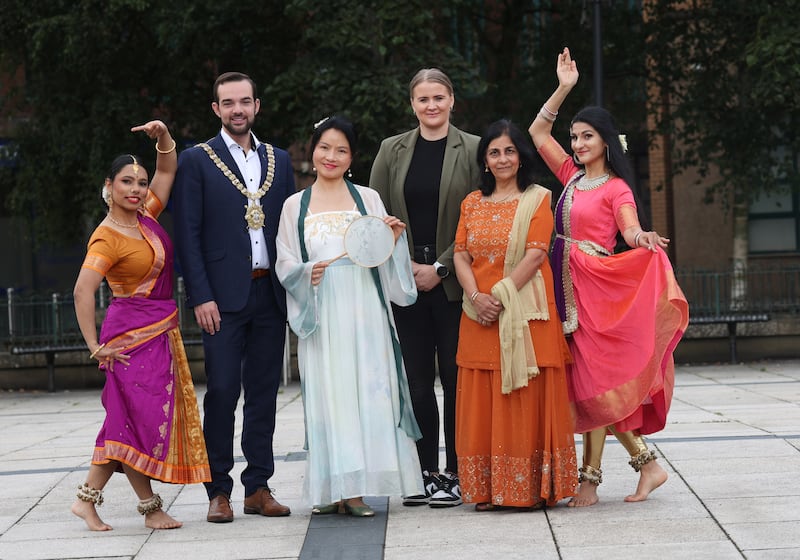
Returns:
<point x="740" y="242"/>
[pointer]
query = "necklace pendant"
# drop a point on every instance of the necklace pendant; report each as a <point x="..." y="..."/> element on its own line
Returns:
<point x="254" y="216"/>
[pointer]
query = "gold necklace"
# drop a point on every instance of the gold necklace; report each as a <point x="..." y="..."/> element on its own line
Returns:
<point x="492" y="199"/>
<point x="254" y="214"/>
<point x="120" y="224"/>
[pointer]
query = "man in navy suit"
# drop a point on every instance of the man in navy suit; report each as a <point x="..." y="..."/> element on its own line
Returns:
<point x="227" y="198"/>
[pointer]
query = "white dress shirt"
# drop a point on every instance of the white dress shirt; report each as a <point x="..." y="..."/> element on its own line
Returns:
<point x="249" y="165"/>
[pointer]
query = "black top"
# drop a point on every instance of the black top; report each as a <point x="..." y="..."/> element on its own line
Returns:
<point x="422" y="189"/>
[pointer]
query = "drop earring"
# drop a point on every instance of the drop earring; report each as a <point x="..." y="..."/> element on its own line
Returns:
<point x="608" y="153"/>
<point x="349" y="174"/>
<point x="575" y="159"/>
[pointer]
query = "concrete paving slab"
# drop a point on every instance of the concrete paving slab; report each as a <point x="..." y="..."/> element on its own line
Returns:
<point x="733" y="434"/>
<point x="769" y="509"/>
<point x="710" y="550"/>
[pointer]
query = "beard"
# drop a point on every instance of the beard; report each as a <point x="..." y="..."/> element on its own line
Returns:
<point x="239" y="129"/>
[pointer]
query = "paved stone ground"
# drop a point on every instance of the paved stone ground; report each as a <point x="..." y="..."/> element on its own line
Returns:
<point x="732" y="449"/>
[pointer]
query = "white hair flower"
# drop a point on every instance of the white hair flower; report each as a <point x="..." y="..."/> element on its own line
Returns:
<point x="317" y="124"/>
<point x="624" y="141"/>
<point x="106" y="194"/>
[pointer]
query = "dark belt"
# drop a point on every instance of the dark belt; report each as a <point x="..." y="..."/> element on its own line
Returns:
<point x="259" y="273"/>
<point x="425" y="254"/>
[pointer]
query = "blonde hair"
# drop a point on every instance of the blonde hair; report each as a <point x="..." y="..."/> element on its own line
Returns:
<point x="429" y="75"/>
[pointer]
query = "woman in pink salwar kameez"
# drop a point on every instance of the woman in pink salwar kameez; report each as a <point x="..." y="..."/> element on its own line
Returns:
<point x="152" y="428"/>
<point x="624" y="312"/>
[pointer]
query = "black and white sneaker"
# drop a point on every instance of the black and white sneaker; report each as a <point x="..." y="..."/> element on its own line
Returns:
<point x="431" y="483"/>
<point x="449" y="493"/>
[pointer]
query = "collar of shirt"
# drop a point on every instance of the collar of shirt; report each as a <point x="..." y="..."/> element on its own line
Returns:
<point x="232" y="144"/>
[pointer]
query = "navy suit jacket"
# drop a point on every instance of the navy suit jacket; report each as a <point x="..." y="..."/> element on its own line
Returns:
<point x="212" y="239"/>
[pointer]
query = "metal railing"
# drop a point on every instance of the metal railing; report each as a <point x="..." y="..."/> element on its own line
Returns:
<point x="765" y="290"/>
<point x="37" y="320"/>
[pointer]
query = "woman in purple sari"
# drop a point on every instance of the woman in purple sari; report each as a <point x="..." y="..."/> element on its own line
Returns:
<point x="152" y="428"/>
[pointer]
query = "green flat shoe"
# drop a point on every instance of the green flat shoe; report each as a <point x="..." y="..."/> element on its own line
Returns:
<point x="326" y="509"/>
<point x="358" y="511"/>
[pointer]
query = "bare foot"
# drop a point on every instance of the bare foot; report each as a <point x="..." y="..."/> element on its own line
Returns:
<point x="650" y="477"/>
<point x="87" y="512"/>
<point x="160" y="520"/>
<point x="587" y="495"/>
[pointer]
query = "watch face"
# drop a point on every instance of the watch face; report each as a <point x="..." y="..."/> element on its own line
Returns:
<point x="442" y="271"/>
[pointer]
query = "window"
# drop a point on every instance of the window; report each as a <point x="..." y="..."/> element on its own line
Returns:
<point x="774" y="223"/>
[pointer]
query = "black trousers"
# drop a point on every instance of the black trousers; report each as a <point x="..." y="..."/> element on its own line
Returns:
<point x="246" y="352"/>
<point x="428" y="332"/>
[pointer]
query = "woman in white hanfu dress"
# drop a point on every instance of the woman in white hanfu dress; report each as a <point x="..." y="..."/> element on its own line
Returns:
<point x="360" y="426"/>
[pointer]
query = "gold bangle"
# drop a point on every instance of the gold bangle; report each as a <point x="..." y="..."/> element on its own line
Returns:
<point x="172" y="149"/>
<point x="96" y="350"/>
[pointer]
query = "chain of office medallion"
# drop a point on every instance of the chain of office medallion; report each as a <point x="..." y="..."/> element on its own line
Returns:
<point x="235" y="180"/>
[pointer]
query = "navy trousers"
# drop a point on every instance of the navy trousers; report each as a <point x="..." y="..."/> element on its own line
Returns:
<point x="246" y="353"/>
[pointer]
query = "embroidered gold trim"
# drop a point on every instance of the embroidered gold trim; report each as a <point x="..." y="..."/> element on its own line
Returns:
<point x="254" y="214"/>
<point x="591" y="248"/>
<point x="570" y="323"/>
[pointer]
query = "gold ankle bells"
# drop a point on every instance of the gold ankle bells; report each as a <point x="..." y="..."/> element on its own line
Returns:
<point x="590" y="474"/>
<point x="151" y="504"/>
<point x="88" y="494"/>
<point x="640" y="460"/>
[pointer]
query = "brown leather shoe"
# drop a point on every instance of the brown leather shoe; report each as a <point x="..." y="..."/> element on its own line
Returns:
<point x="219" y="510"/>
<point x="262" y="502"/>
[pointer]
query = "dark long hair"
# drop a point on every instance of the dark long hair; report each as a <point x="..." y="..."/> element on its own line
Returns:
<point x="521" y="141"/>
<point x="619" y="164"/>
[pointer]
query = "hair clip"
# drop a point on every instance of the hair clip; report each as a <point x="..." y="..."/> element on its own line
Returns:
<point x="317" y="125"/>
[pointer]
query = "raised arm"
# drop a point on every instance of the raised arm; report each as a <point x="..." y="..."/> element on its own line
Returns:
<point x="166" y="162"/>
<point x="542" y="125"/>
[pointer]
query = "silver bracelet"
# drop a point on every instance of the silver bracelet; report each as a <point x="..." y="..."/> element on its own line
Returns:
<point x="547" y="117"/>
<point x="549" y="112"/>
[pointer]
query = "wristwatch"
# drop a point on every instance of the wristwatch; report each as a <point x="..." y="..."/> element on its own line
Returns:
<point x="441" y="270"/>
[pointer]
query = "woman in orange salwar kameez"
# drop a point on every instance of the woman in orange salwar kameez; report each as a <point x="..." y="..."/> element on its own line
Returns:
<point x="514" y="430"/>
<point x="152" y="428"/>
<point x="625" y="312"/>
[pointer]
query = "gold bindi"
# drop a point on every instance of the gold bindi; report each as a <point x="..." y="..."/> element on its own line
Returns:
<point x="135" y="167"/>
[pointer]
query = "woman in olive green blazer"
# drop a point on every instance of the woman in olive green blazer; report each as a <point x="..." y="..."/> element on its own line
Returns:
<point x="422" y="176"/>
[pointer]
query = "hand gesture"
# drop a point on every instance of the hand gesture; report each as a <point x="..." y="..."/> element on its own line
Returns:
<point x="318" y="271"/>
<point x="397" y="226"/>
<point x="566" y="69"/>
<point x="153" y="129"/>
<point x="107" y="356"/>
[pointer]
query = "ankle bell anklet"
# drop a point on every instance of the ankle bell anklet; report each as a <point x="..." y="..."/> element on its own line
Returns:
<point x="642" y="459"/>
<point x="151" y="504"/>
<point x="590" y="474"/>
<point x="88" y="494"/>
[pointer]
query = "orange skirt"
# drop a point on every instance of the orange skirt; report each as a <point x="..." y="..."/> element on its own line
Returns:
<point x="515" y="449"/>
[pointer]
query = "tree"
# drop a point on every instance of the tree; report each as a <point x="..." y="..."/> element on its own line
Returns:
<point x="93" y="68"/>
<point x="728" y="69"/>
<point x="340" y="68"/>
